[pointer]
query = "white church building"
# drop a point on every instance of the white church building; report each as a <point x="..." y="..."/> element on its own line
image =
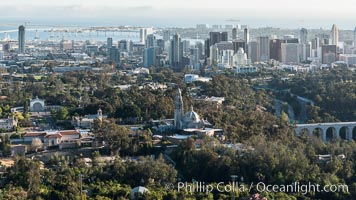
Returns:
<point x="189" y="120"/>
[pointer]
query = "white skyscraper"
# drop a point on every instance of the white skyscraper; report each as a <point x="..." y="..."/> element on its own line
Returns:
<point x="143" y="34"/>
<point x="334" y="35"/>
<point x="241" y="58"/>
<point x="227" y="58"/>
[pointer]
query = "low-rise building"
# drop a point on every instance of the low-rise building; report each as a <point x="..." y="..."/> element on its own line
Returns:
<point x="87" y="120"/>
<point x="8" y="124"/>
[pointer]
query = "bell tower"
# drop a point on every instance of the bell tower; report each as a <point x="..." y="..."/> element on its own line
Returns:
<point x="100" y="114"/>
<point x="178" y="109"/>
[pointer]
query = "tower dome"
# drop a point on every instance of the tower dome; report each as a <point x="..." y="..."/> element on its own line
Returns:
<point x="191" y="116"/>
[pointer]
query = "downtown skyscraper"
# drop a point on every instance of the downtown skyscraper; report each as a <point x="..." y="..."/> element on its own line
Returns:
<point x="263" y="49"/>
<point x="334" y="35"/>
<point x="150" y="52"/>
<point x="234" y="34"/>
<point x="355" y="37"/>
<point x="303" y="36"/>
<point x="22" y="39"/>
<point x="176" y="52"/>
<point x="246" y="39"/>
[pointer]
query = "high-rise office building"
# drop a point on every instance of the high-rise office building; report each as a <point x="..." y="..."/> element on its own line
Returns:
<point x="291" y="53"/>
<point x="315" y="43"/>
<point x="1" y="55"/>
<point x="253" y="51"/>
<point x="161" y="46"/>
<point x="234" y="34"/>
<point x="166" y="35"/>
<point x="275" y="49"/>
<point x="224" y="45"/>
<point x="143" y="34"/>
<point x="334" y="35"/>
<point x="227" y="58"/>
<point x="263" y="49"/>
<point x="291" y="40"/>
<point x="328" y="53"/>
<point x="303" y="36"/>
<point x="355" y="37"/>
<point x="200" y="47"/>
<point x="206" y="48"/>
<point x="151" y="41"/>
<point x="194" y="58"/>
<point x="324" y="38"/>
<point x="149" y="56"/>
<point x="239" y="44"/>
<point x="348" y="47"/>
<point x="214" y="54"/>
<point x="22" y="39"/>
<point x="186" y="47"/>
<point x="246" y="36"/>
<point x="247" y="39"/>
<point x="214" y="37"/>
<point x="6" y="46"/>
<point x="114" y="55"/>
<point x="176" y="52"/>
<point x="109" y="43"/>
<point x="305" y="45"/>
<point x="123" y="45"/>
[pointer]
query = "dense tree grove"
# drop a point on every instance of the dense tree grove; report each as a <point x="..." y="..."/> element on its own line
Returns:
<point x="259" y="147"/>
<point x="333" y="92"/>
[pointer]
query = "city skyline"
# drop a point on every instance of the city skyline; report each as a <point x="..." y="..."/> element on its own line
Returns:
<point x="156" y="13"/>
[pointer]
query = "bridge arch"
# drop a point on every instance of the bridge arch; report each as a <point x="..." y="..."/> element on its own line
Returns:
<point x="344" y="133"/>
<point x="331" y="133"/>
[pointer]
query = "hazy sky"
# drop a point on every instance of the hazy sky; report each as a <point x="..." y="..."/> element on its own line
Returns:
<point x="280" y="13"/>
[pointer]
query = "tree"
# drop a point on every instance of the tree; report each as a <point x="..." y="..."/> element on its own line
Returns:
<point x="284" y="118"/>
<point x="61" y="114"/>
<point x="115" y="137"/>
<point x="36" y="144"/>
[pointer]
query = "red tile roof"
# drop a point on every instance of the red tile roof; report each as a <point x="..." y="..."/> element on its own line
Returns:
<point x="69" y="132"/>
<point x="57" y="135"/>
<point x="35" y="134"/>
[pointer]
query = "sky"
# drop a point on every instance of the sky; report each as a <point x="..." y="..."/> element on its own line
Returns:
<point x="182" y="13"/>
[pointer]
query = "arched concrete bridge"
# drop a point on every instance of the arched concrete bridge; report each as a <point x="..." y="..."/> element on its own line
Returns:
<point x="328" y="131"/>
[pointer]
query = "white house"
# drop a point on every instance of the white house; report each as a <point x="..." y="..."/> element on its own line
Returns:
<point x="8" y="124"/>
